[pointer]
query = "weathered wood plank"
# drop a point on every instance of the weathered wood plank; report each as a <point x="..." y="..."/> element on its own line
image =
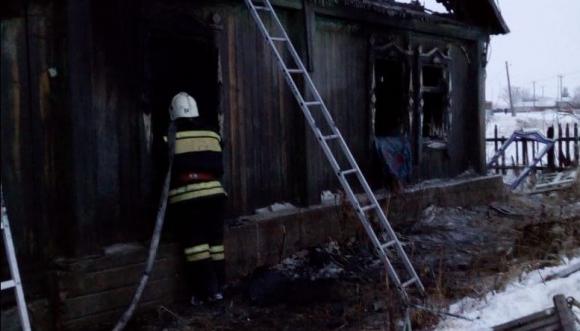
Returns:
<point x="310" y="27"/>
<point x="84" y="141"/>
<point x="75" y="308"/>
<point x="74" y="284"/>
<point x="520" y="322"/>
<point x="105" y="320"/>
<point x="115" y="257"/>
<point x="564" y="313"/>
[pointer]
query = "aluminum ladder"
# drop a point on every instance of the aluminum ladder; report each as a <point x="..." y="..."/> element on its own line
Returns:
<point x="15" y="282"/>
<point x="387" y="245"/>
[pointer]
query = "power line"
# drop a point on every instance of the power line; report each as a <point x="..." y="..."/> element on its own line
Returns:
<point x="567" y="74"/>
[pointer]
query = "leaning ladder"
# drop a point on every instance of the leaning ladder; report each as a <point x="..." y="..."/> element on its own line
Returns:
<point x="389" y="244"/>
<point x="15" y="282"/>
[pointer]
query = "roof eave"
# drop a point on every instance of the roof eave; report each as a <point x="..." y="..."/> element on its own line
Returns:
<point x="502" y="27"/>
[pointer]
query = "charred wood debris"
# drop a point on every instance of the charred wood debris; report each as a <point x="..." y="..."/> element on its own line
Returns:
<point x="459" y="252"/>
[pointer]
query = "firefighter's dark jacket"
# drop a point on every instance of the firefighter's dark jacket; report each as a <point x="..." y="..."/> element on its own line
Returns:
<point x="198" y="149"/>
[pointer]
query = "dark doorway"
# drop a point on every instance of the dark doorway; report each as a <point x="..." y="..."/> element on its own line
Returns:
<point x="182" y="64"/>
<point x="391" y="95"/>
<point x="178" y="63"/>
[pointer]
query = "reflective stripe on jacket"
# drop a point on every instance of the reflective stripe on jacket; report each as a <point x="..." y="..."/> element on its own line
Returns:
<point x="196" y="190"/>
<point x="198" y="151"/>
<point x="197" y="141"/>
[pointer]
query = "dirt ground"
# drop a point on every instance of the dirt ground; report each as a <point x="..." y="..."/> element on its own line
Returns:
<point x="458" y="252"/>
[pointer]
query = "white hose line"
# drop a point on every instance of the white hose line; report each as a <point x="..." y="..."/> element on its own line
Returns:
<point x="156" y="235"/>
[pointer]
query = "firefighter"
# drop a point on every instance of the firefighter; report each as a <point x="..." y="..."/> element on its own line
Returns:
<point x="196" y="198"/>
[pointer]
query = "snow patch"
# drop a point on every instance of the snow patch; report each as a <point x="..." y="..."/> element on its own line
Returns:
<point x="530" y="294"/>
<point x="276" y="207"/>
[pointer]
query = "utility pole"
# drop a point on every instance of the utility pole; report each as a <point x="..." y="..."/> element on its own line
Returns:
<point x="510" y="89"/>
<point x="534" y="100"/>
<point x="560" y="78"/>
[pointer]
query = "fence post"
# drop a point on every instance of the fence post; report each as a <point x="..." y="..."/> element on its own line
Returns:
<point x="568" y="142"/>
<point x="561" y="159"/>
<point x="525" y="152"/>
<point x="534" y="151"/>
<point x="497" y="166"/>
<point x="503" y="169"/>
<point x="517" y="162"/>
<point x="551" y="152"/>
<point x="576" y="145"/>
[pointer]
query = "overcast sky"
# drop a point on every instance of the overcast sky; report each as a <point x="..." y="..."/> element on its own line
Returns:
<point x="544" y="42"/>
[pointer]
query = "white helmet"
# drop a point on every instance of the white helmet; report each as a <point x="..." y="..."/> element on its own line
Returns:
<point x="183" y="106"/>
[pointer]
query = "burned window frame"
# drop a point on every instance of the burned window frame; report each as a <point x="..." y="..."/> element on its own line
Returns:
<point x="391" y="49"/>
<point x="440" y="59"/>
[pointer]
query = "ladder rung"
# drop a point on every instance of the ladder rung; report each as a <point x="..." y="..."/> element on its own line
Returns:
<point x="264" y="8"/>
<point x="278" y="38"/>
<point x="347" y="172"/>
<point x="312" y="103"/>
<point x="330" y="137"/>
<point x="409" y="282"/>
<point x="7" y="284"/>
<point x="389" y="244"/>
<point x="293" y="71"/>
<point x="369" y="207"/>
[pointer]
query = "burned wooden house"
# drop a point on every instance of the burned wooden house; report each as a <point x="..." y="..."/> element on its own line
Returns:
<point x="86" y="87"/>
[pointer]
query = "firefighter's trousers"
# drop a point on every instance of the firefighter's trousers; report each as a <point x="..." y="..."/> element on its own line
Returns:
<point x="200" y="223"/>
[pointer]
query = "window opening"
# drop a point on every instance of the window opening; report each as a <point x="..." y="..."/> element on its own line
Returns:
<point x="390" y="94"/>
<point x="391" y="139"/>
<point x="434" y="115"/>
<point x="432" y="76"/>
<point x="435" y="94"/>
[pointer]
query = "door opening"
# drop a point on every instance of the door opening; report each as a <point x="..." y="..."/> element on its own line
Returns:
<point x="178" y="63"/>
<point x="182" y="64"/>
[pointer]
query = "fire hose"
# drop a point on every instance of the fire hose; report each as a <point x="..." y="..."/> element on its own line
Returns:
<point x="154" y="245"/>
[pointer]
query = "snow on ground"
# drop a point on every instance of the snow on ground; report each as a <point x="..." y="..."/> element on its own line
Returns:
<point x="520" y="298"/>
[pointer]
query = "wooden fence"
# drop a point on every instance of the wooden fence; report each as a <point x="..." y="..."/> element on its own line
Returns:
<point x="564" y="154"/>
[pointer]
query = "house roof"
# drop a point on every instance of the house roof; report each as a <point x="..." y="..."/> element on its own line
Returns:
<point x="481" y="13"/>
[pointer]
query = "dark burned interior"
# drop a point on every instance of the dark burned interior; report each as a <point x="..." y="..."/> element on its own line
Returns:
<point x="177" y="62"/>
<point x="181" y="63"/>
<point x="435" y="95"/>
<point x="391" y="93"/>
